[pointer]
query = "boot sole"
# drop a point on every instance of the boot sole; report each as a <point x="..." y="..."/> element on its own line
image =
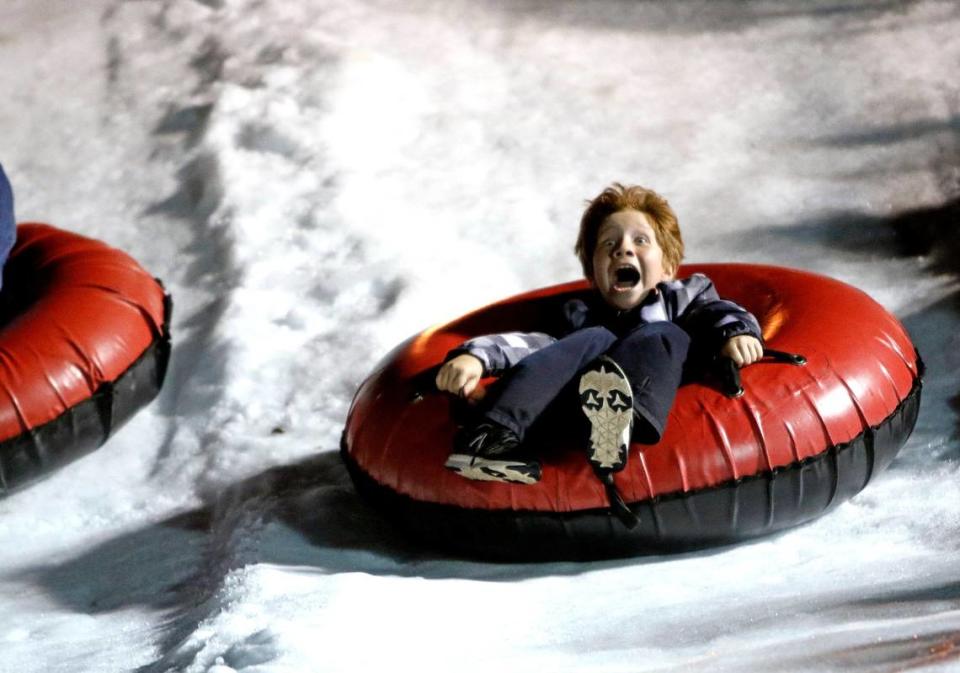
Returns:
<point x="494" y="469"/>
<point x="610" y="432"/>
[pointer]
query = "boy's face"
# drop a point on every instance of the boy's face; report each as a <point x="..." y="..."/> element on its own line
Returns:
<point x="628" y="260"/>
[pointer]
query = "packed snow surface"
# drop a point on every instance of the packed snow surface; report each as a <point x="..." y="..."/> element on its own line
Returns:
<point x="316" y="180"/>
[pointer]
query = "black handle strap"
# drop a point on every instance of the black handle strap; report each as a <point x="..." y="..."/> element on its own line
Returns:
<point x="729" y="372"/>
<point x="618" y="506"/>
<point x="784" y="357"/>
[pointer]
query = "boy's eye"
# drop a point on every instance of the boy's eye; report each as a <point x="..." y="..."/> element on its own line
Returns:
<point x="641" y="239"/>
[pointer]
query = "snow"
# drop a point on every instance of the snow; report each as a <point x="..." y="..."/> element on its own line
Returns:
<point x="317" y="180"/>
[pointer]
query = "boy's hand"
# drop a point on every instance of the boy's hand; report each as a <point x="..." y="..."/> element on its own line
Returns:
<point x="743" y="350"/>
<point x="460" y="375"/>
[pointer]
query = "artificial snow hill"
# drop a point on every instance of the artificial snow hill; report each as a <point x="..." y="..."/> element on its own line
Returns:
<point x="316" y="181"/>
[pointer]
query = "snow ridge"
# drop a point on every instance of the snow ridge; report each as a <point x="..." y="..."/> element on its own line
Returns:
<point x="255" y="184"/>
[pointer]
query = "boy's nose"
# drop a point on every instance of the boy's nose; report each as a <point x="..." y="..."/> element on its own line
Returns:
<point x="625" y="249"/>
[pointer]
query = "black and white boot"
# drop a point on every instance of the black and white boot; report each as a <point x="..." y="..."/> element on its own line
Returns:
<point x="490" y="452"/>
<point x="607" y="401"/>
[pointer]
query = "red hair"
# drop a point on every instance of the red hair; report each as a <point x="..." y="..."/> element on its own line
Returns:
<point x="615" y="198"/>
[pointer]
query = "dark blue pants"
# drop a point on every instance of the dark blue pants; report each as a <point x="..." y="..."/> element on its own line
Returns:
<point x="652" y="357"/>
<point x="8" y="226"/>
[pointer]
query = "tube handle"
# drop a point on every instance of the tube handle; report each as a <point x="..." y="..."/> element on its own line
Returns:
<point x="729" y="372"/>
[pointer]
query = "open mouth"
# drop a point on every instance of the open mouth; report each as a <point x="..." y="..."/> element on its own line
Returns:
<point x="625" y="278"/>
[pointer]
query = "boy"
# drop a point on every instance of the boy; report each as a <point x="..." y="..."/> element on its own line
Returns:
<point x="8" y="225"/>
<point x="625" y="347"/>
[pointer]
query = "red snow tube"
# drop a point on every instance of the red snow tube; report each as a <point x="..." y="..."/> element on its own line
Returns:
<point x="801" y="440"/>
<point x="83" y="344"/>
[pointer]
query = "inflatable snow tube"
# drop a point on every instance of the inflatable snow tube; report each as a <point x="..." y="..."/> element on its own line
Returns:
<point x="799" y="441"/>
<point x="84" y="343"/>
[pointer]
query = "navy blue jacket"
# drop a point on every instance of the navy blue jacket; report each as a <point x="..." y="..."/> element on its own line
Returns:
<point x="691" y="303"/>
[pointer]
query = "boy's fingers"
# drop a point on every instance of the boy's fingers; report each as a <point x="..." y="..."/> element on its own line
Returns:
<point x="459" y="383"/>
<point x="451" y="379"/>
<point x="446" y="379"/>
<point x="751" y="351"/>
<point x="744" y="350"/>
<point x="732" y="351"/>
<point x="468" y="387"/>
<point x="443" y="377"/>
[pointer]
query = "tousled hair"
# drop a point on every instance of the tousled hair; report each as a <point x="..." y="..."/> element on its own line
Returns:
<point x="617" y="197"/>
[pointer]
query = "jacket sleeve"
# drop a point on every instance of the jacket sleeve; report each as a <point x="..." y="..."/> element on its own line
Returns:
<point x="714" y="320"/>
<point x="499" y="352"/>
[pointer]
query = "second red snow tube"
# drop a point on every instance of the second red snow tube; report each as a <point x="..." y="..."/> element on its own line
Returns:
<point x="801" y="440"/>
<point x="84" y="343"/>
